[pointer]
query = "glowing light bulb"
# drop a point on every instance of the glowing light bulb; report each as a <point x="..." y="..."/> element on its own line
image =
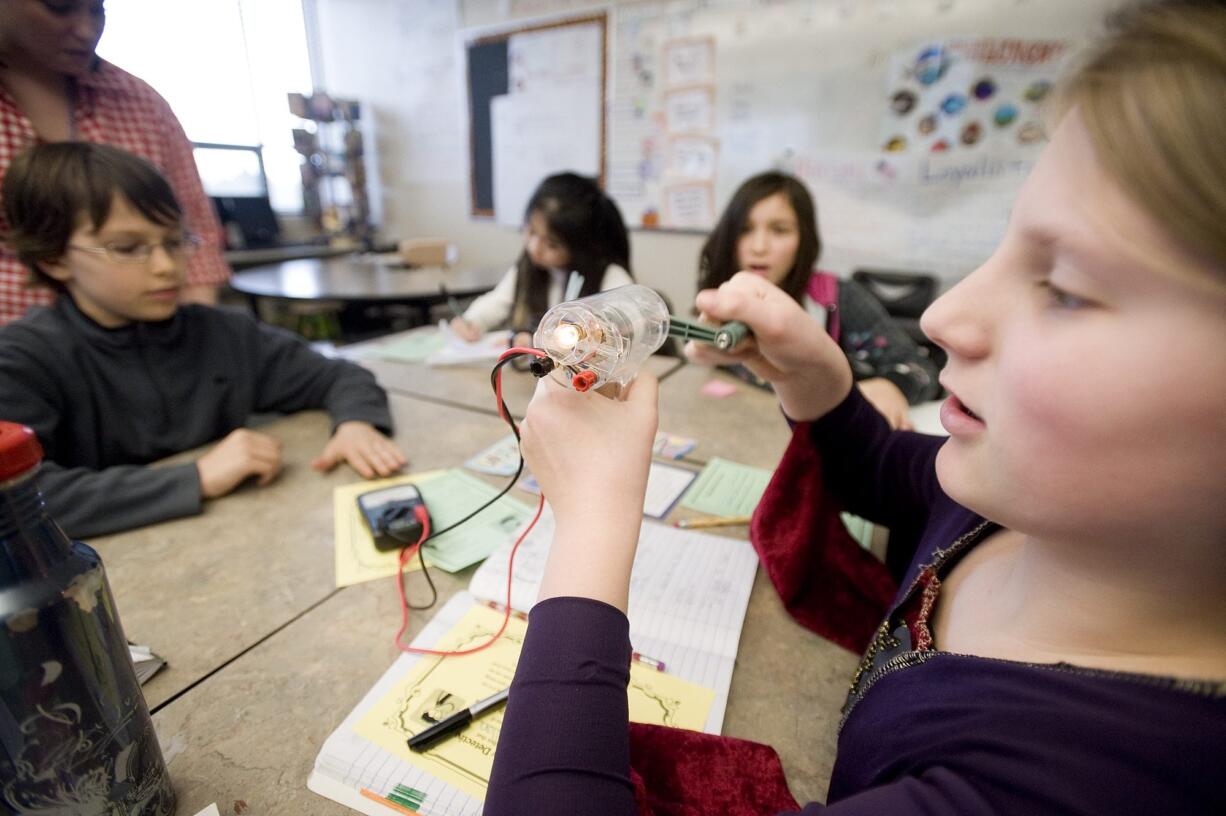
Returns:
<point x="567" y="336"/>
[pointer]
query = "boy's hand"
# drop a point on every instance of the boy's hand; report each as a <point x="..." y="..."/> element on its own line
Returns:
<point x="241" y="454"/>
<point x="465" y="330"/>
<point x="889" y="401"/>
<point x="366" y="450"/>
<point x="808" y="370"/>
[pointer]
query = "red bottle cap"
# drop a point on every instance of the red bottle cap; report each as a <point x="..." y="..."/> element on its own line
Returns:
<point x="19" y="450"/>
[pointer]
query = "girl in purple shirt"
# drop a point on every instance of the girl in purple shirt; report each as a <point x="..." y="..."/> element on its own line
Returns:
<point x="1057" y="645"/>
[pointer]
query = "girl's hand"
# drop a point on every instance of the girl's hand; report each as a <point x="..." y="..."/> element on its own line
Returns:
<point x="465" y="330"/>
<point x="591" y="455"/>
<point x="889" y="401"/>
<point x="807" y="369"/>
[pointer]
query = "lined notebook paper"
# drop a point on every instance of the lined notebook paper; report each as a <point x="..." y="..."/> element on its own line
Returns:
<point x="349" y="763"/>
<point x="688" y="595"/>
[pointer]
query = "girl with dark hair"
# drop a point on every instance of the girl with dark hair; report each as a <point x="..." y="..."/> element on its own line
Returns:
<point x="1055" y="645"/>
<point x="770" y="228"/>
<point x="570" y="225"/>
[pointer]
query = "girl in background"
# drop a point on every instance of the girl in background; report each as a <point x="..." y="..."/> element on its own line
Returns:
<point x="1057" y="645"/>
<point x="770" y="228"/>
<point x="570" y="225"/>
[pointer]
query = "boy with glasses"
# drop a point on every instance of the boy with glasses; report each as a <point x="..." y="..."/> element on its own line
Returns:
<point x="116" y="374"/>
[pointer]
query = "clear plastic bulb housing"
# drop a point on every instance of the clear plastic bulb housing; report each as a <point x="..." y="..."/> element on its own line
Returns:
<point x="603" y="338"/>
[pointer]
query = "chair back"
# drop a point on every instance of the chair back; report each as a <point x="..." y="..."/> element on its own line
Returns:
<point x="904" y="294"/>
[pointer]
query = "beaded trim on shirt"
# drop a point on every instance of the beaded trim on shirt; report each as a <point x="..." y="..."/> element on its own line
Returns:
<point x="900" y="643"/>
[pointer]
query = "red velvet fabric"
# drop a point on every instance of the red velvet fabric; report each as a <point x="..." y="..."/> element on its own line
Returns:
<point x="827" y="581"/>
<point x="829" y="584"/>
<point x="686" y="773"/>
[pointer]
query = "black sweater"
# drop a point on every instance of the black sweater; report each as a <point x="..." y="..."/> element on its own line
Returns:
<point x="107" y="402"/>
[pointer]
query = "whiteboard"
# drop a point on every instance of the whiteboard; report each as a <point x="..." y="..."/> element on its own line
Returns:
<point x="536" y="104"/>
<point x="537" y="134"/>
<point x="705" y="93"/>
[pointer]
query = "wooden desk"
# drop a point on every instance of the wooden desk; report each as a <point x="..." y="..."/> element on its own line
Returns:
<point x="745" y="427"/>
<point x="240" y="259"/>
<point x="361" y="279"/>
<point x="251" y="732"/>
<point x="200" y="590"/>
<point x="266" y="658"/>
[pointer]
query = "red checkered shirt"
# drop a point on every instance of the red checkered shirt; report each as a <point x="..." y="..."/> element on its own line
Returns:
<point x="116" y="108"/>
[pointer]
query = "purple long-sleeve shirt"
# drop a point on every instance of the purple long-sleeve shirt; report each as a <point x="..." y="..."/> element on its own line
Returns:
<point x="925" y="731"/>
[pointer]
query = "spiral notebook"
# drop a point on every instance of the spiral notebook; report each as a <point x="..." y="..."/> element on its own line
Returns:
<point x="688" y="596"/>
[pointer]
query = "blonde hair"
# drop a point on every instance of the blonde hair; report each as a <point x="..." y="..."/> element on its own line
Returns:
<point x="1153" y="98"/>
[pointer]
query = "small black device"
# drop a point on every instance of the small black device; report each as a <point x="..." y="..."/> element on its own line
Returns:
<point x="391" y="515"/>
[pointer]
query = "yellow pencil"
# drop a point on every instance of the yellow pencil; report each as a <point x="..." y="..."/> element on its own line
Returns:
<point x="719" y="521"/>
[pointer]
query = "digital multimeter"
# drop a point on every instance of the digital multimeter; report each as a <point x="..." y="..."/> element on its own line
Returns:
<point x="390" y="513"/>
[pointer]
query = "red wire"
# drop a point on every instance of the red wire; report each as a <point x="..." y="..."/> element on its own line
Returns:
<point x="508" y="353"/>
<point x="407" y="553"/>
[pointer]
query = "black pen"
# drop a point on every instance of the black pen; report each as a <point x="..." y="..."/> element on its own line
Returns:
<point x="445" y="728"/>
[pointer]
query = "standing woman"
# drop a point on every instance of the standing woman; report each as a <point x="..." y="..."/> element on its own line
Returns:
<point x="54" y="88"/>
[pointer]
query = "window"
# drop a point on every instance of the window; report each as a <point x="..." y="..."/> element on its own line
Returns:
<point x="225" y="67"/>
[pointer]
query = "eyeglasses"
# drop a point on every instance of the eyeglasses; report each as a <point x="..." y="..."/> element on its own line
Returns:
<point x="134" y="252"/>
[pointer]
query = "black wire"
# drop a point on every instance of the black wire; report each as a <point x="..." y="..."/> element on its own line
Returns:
<point x="514" y="480"/>
<point x="422" y="560"/>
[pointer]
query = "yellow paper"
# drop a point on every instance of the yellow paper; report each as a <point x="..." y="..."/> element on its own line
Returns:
<point x="357" y="559"/>
<point x="438" y="687"/>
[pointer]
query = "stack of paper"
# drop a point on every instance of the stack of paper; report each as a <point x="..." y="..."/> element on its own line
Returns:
<point x="688" y="597"/>
<point x="457" y="351"/>
<point x="145" y="662"/>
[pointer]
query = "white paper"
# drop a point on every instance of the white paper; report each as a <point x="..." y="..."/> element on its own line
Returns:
<point x="688" y="205"/>
<point x="538" y="134"/>
<point x="688" y="596"/>
<point x="211" y="810"/>
<point x="499" y="459"/>
<point x="458" y="351"/>
<point x="689" y="62"/>
<point x="692" y="157"/>
<point x="690" y="111"/>
<point x="355" y="762"/>
<point x="665" y="484"/>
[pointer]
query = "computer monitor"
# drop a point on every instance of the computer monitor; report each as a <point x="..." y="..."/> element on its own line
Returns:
<point x="233" y="177"/>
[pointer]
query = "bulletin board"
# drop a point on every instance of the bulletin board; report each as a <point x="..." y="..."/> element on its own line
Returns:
<point x="536" y="107"/>
<point x="913" y="123"/>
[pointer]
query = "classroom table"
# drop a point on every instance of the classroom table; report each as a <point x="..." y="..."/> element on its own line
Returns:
<point x="362" y="279"/>
<point x="746" y="426"/>
<point x="200" y="590"/>
<point x="266" y="657"/>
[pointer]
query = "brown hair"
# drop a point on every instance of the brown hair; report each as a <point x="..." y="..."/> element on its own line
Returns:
<point x="588" y="223"/>
<point x="1153" y="98"/>
<point x="50" y="188"/>
<point x="718" y="262"/>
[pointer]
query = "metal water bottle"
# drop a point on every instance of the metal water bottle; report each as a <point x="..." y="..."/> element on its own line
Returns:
<point x="75" y="734"/>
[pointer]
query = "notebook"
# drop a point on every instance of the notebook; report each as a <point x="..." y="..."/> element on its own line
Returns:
<point x="688" y="596"/>
<point x="455" y="351"/>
